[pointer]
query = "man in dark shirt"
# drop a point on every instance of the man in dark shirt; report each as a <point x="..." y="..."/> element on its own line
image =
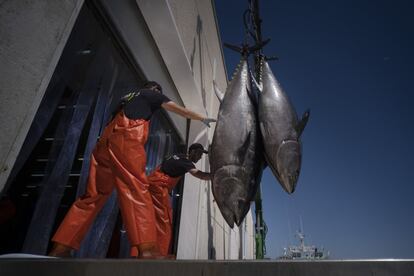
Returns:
<point x="142" y="104"/>
<point x="179" y="164"/>
<point x="118" y="161"/>
<point x="162" y="181"/>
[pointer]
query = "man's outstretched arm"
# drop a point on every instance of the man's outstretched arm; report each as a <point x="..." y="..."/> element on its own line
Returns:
<point x="201" y="175"/>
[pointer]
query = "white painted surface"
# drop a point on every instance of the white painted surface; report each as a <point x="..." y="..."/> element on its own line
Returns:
<point x="126" y="17"/>
<point x="188" y="41"/>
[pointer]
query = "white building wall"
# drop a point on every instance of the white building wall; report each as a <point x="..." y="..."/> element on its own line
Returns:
<point x="126" y="17"/>
<point x="203" y="232"/>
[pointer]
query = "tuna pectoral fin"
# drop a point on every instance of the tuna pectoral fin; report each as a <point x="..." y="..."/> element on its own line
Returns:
<point x="302" y="123"/>
<point x="242" y="151"/>
<point x="264" y="131"/>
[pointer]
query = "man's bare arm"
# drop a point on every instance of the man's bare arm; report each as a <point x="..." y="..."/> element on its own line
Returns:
<point x="201" y="175"/>
<point x="173" y="107"/>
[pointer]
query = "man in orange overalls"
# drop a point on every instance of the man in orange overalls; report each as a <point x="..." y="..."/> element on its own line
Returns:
<point x="118" y="161"/>
<point x="162" y="181"/>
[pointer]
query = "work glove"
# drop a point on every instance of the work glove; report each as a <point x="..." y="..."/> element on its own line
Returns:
<point x="207" y="121"/>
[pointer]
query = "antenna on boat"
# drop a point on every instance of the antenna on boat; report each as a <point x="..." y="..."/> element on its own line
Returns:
<point x="301" y="233"/>
<point x="301" y="224"/>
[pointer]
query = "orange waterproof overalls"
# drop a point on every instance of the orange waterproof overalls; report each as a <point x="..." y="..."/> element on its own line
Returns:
<point x="118" y="161"/>
<point x="160" y="186"/>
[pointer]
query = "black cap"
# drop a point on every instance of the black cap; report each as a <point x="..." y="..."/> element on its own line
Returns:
<point x="196" y="146"/>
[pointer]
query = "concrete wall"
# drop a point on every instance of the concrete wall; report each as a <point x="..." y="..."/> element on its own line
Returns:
<point x="33" y="35"/>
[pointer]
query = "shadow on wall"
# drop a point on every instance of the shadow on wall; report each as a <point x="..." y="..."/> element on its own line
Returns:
<point x="211" y="248"/>
<point x="197" y="40"/>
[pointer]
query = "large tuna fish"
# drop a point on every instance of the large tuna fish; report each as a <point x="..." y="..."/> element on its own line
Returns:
<point x="235" y="156"/>
<point x="280" y="130"/>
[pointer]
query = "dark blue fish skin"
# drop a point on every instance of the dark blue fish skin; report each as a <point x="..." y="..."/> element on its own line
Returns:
<point x="279" y="129"/>
<point x="235" y="152"/>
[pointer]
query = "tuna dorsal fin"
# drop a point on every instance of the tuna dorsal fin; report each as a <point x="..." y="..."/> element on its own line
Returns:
<point x="302" y="123"/>
<point x="218" y="92"/>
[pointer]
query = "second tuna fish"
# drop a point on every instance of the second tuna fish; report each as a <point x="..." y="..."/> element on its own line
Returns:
<point x="280" y="130"/>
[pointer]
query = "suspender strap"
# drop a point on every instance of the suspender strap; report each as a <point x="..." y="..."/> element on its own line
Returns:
<point x="128" y="97"/>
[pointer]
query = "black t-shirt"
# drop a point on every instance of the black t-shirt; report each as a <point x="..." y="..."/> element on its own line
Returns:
<point x="144" y="104"/>
<point x="176" y="165"/>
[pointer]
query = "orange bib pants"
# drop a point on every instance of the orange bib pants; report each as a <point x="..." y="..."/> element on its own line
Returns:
<point x="118" y="161"/>
<point x="160" y="186"/>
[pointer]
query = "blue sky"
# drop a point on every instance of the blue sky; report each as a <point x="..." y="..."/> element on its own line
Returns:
<point x="352" y="64"/>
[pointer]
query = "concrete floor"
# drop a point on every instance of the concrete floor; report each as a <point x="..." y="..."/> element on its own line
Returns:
<point x="115" y="267"/>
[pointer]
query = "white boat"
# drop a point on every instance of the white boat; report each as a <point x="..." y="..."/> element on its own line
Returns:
<point x="304" y="252"/>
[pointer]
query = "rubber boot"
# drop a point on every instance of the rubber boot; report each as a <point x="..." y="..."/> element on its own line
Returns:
<point x="149" y="251"/>
<point x="61" y="251"/>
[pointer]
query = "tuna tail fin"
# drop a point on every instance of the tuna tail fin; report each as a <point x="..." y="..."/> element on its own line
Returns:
<point x="244" y="49"/>
<point x="234" y="47"/>
<point x="300" y="126"/>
